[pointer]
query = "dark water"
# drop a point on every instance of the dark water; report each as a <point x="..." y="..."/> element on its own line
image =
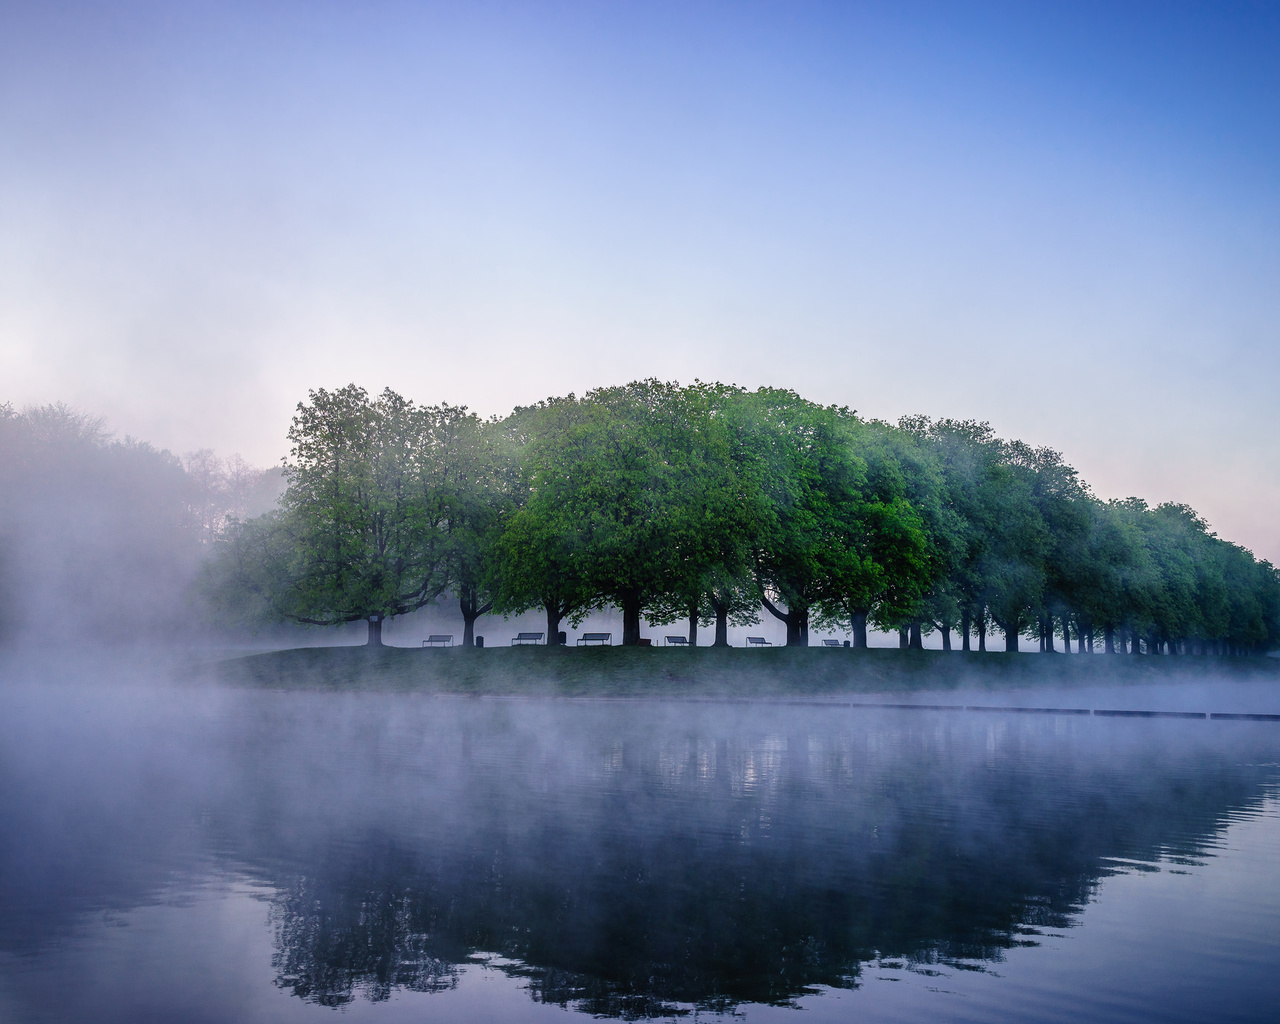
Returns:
<point x="204" y="854"/>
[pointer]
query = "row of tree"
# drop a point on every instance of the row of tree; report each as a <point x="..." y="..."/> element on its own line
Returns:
<point x="716" y="505"/>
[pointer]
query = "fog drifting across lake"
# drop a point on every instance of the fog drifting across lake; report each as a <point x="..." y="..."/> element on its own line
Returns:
<point x="188" y="852"/>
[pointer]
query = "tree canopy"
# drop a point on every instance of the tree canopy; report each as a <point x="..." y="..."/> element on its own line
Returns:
<point x="717" y="504"/>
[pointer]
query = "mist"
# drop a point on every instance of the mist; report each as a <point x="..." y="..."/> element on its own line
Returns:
<point x="625" y="860"/>
<point x="650" y="512"/>
<point x="102" y="539"/>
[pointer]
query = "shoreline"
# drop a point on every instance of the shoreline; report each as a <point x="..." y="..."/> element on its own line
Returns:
<point x="709" y="672"/>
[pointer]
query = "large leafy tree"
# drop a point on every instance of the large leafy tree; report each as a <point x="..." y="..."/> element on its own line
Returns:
<point x="604" y="487"/>
<point x="1063" y="504"/>
<point x="468" y="491"/>
<point x="718" y="512"/>
<point x="909" y="541"/>
<point x="966" y="454"/>
<point x="813" y="481"/>
<point x="1015" y="545"/>
<point x="539" y="559"/>
<point x="355" y="537"/>
<point x="1117" y="571"/>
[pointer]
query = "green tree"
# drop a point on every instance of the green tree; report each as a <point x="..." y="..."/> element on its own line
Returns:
<point x="718" y="514"/>
<point x="808" y="551"/>
<point x="354" y="538"/>
<point x="604" y="487"/>
<point x="967" y="456"/>
<point x="540" y="555"/>
<point x="470" y="479"/>
<point x="911" y="537"/>
<point x="1064" y="507"/>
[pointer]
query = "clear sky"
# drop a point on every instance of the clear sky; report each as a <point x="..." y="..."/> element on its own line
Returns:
<point x="1062" y="218"/>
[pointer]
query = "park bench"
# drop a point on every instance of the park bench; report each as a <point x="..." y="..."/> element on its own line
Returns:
<point x="604" y="639"/>
<point x="438" y="640"/>
<point x="526" y="638"/>
<point x="830" y="643"/>
<point x="758" y="641"/>
<point x="677" y="641"/>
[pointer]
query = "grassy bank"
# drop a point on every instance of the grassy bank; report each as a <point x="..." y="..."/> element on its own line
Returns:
<point x="706" y="671"/>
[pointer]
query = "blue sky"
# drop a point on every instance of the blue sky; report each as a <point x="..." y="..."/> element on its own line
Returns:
<point x="1062" y="218"/>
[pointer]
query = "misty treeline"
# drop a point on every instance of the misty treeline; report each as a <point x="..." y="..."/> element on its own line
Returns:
<point x="712" y="505"/>
<point x="102" y="539"/>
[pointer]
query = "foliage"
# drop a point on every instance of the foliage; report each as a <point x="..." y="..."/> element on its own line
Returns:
<point x="711" y="503"/>
<point x="360" y="532"/>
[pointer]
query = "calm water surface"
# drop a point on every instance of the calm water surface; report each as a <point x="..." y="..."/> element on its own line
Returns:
<point x="172" y="852"/>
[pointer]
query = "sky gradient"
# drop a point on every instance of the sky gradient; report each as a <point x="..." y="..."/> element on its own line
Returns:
<point x="1064" y="219"/>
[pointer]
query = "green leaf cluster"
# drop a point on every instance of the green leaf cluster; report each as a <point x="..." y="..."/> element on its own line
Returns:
<point x="715" y="504"/>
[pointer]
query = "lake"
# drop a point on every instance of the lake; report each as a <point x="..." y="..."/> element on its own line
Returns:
<point x="173" y="851"/>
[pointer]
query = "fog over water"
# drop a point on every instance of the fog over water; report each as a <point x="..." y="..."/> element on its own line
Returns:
<point x="180" y="851"/>
<point x="981" y="222"/>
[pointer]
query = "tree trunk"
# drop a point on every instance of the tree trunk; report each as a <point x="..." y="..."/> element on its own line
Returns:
<point x="1049" y="647"/>
<point x="1109" y="640"/>
<point x="982" y="633"/>
<point x="917" y="639"/>
<point x="1066" y="634"/>
<point x="469" y="605"/>
<point x="965" y="626"/>
<point x="946" y="637"/>
<point x="797" y="630"/>
<point x="693" y="625"/>
<point x="375" y="631"/>
<point x="631" y="620"/>
<point x="722" y="622"/>
<point x="1011" y="639"/>
<point x="553" y="622"/>
<point x="904" y="638"/>
<point x="858" y="626"/>
<point x="1090" y="638"/>
<point x="797" y="622"/>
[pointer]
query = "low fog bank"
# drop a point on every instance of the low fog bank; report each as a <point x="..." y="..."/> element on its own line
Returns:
<point x="102" y="539"/>
<point x="1209" y="693"/>
<point x="626" y="855"/>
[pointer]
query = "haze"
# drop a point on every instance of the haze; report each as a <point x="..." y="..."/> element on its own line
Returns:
<point x="1059" y="218"/>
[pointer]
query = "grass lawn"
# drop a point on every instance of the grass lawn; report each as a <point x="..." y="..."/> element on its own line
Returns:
<point x="705" y="671"/>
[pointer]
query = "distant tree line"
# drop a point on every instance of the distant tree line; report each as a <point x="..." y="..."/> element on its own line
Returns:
<point x="102" y="538"/>
<point x="715" y="505"/>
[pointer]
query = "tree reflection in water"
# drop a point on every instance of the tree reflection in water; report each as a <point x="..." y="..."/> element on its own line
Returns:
<point x="631" y="866"/>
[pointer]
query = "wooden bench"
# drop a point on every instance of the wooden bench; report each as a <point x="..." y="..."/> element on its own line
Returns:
<point x="758" y="641"/>
<point x="830" y="643"/>
<point x="438" y="640"/>
<point x="526" y="638"/>
<point x="604" y="639"/>
<point x="677" y="641"/>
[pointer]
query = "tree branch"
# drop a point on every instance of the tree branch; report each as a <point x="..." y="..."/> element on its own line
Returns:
<point x="772" y="609"/>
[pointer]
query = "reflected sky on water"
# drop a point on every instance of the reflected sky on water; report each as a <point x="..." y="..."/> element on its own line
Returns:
<point x="210" y="854"/>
